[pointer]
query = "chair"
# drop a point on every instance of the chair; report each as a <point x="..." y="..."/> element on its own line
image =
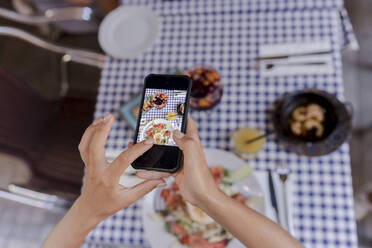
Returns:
<point x="57" y="13"/>
<point x="44" y="132"/>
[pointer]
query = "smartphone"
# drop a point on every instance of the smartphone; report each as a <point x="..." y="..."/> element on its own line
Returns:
<point x="164" y="108"/>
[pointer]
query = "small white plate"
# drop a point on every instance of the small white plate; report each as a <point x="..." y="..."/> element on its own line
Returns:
<point x="128" y="31"/>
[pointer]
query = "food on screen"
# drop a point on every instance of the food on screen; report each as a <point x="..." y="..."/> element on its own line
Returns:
<point x="159" y="100"/>
<point x="162" y="112"/>
<point x="159" y="132"/>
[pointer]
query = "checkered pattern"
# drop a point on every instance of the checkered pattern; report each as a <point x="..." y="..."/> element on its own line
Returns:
<point x="225" y="35"/>
<point x="171" y="106"/>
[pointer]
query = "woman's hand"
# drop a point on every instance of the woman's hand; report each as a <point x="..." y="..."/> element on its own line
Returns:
<point x="194" y="178"/>
<point x="102" y="193"/>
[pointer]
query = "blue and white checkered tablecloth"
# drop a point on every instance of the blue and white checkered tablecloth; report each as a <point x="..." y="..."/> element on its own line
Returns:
<point x="226" y="37"/>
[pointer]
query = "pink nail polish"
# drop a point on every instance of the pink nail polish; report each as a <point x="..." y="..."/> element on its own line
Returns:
<point x="97" y="121"/>
<point x="178" y="135"/>
<point x="107" y="117"/>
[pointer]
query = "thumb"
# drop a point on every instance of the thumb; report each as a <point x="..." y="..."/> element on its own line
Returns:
<point x="142" y="189"/>
<point x="178" y="138"/>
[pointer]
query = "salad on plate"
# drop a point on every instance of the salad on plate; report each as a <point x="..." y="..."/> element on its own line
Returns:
<point x="160" y="132"/>
<point x="189" y="224"/>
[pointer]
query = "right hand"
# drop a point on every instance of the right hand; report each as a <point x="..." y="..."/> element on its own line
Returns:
<point x="194" y="178"/>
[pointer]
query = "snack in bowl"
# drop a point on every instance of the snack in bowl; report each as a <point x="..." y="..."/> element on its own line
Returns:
<point x="189" y="224"/>
<point x="307" y="121"/>
<point x="159" y="132"/>
<point x="159" y="100"/>
<point x="206" y="89"/>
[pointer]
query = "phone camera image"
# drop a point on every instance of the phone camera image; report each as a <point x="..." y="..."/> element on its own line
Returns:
<point x="162" y="113"/>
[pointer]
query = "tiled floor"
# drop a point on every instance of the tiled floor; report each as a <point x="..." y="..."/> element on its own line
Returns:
<point x="22" y="226"/>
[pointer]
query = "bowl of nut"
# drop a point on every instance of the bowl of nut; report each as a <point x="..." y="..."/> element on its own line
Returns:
<point x="311" y="122"/>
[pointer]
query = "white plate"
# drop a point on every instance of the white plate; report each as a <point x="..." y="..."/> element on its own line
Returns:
<point x="128" y="31"/>
<point x="154" y="230"/>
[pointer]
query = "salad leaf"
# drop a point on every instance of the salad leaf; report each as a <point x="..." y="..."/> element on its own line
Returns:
<point x="226" y="173"/>
<point x="168" y="227"/>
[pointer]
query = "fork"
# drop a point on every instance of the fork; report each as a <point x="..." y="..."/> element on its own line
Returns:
<point x="283" y="171"/>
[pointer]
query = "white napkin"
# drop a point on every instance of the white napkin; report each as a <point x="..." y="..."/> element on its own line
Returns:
<point x="270" y="212"/>
<point x="295" y="68"/>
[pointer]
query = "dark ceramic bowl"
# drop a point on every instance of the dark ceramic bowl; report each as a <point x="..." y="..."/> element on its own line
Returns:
<point x="337" y="123"/>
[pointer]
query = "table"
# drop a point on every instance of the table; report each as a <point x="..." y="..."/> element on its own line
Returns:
<point x="226" y="35"/>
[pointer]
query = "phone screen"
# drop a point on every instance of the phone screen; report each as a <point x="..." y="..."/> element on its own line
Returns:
<point x="162" y="113"/>
<point x="164" y="107"/>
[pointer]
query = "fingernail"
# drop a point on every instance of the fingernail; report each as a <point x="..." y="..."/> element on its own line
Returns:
<point x="162" y="184"/>
<point x="178" y="135"/>
<point x="97" y="121"/>
<point x="149" y="141"/>
<point x="107" y="117"/>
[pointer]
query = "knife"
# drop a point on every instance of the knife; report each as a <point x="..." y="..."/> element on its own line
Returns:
<point x="293" y="55"/>
<point x="274" y="202"/>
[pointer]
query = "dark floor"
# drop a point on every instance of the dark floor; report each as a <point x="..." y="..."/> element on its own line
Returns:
<point x="84" y="79"/>
<point x="358" y="90"/>
<point x="40" y="69"/>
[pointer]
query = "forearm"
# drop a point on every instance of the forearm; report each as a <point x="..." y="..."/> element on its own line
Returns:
<point x="249" y="226"/>
<point x="71" y="231"/>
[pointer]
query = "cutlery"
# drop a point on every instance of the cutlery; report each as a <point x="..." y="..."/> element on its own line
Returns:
<point x="271" y="66"/>
<point x="293" y="55"/>
<point x="274" y="203"/>
<point x="283" y="171"/>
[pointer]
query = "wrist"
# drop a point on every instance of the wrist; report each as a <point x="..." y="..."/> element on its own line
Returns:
<point x="85" y="213"/>
<point x="210" y="199"/>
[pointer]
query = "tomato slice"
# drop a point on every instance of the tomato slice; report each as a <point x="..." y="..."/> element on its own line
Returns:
<point x="165" y="194"/>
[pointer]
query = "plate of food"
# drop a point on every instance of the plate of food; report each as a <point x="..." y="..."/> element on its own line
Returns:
<point x="159" y="100"/>
<point x="170" y="221"/>
<point x="147" y="104"/>
<point x="160" y="130"/>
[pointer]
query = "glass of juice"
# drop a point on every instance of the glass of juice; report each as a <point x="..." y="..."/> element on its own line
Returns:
<point x="242" y="147"/>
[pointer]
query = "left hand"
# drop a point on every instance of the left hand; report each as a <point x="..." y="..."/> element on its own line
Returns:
<point x="102" y="195"/>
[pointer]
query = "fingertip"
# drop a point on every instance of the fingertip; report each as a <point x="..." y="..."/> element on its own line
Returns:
<point x="108" y="117"/>
<point x="96" y="122"/>
<point x="162" y="184"/>
<point x="178" y="134"/>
